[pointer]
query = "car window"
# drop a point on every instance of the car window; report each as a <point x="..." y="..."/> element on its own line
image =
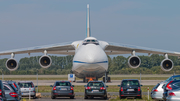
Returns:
<point x="6" y="88"/>
<point x="97" y="84"/>
<point x="130" y="83"/>
<point x="156" y="86"/>
<point x="25" y="85"/>
<point x="177" y="84"/>
<point x="168" y="79"/>
<point x="63" y="84"/>
<point x="176" y="78"/>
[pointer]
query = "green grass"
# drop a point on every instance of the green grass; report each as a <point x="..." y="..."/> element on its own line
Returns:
<point x="144" y="98"/>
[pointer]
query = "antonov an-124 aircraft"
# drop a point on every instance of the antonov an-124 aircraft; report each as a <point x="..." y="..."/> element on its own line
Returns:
<point x="90" y="55"/>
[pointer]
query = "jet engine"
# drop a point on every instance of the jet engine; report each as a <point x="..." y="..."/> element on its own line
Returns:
<point x="11" y="64"/>
<point x="167" y="65"/>
<point x="45" y="61"/>
<point x="134" y="61"/>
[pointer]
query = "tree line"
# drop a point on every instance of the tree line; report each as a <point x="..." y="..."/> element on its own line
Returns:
<point x="62" y="65"/>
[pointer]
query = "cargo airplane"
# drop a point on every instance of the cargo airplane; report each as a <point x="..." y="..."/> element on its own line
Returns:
<point x="90" y="55"/>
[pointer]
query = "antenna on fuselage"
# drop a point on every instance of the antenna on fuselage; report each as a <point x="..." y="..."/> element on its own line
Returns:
<point x="88" y="22"/>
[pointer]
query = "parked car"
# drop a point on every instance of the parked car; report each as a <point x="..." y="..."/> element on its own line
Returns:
<point x="171" y="85"/>
<point x="174" y="95"/>
<point x="130" y="88"/>
<point x="26" y="87"/>
<point x="2" y="92"/>
<point x="11" y="92"/>
<point x="16" y="87"/>
<point x="95" y="89"/>
<point x="157" y="91"/>
<point x="62" y="89"/>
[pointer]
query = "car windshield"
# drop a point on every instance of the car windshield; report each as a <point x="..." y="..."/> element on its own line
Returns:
<point x="130" y="83"/>
<point x="97" y="84"/>
<point x="63" y="84"/>
<point x="26" y="85"/>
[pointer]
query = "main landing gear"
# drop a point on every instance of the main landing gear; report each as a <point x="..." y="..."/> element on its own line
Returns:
<point x="106" y="78"/>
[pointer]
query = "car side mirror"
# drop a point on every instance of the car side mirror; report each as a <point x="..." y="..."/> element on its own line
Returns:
<point x="51" y="86"/>
<point x="119" y="85"/>
<point x="36" y="86"/>
<point x="85" y="86"/>
<point x="141" y="85"/>
<point x="106" y="86"/>
<point x="72" y="85"/>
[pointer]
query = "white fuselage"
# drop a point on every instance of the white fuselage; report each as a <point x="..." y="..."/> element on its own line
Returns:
<point x="90" y="60"/>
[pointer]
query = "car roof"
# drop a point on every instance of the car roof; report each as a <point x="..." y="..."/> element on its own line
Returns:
<point x="175" y="76"/>
<point x="95" y="81"/>
<point x="9" y="82"/>
<point x="25" y="81"/>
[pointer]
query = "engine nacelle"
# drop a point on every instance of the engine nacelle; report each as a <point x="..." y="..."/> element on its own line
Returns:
<point x="134" y="62"/>
<point x="11" y="64"/>
<point x="45" y="61"/>
<point x="167" y="65"/>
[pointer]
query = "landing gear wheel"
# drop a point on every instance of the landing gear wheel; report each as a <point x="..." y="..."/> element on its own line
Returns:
<point x="109" y="79"/>
<point x="103" y="79"/>
<point x="86" y="80"/>
<point x="72" y="97"/>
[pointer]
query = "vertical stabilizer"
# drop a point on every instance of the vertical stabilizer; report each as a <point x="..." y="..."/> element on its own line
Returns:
<point x="88" y="22"/>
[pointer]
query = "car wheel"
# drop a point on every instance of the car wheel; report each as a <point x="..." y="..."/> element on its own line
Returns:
<point x="72" y="97"/>
<point x="85" y="97"/>
<point x="120" y="97"/>
<point x="53" y="97"/>
<point x="34" y="97"/>
<point x="105" y="97"/>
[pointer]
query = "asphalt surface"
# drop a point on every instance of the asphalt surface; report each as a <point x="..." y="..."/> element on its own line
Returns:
<point x="68" y="99"/>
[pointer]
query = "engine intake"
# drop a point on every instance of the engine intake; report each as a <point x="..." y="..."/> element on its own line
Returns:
<point x="167" y="65"/>
<point x="11" y="64"/>
<point x="134" y="62"/>
<point x="45" y="61"/>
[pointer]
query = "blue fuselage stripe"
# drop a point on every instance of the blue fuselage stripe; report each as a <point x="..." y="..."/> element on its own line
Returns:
<point x="90" y="63"/>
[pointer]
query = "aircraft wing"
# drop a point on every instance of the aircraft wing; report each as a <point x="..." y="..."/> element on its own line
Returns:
<point x="66" y="49"/>
<point x="114" y="48"/>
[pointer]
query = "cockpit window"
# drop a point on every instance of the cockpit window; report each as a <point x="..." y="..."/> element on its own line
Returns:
<point x="90" y="42"/>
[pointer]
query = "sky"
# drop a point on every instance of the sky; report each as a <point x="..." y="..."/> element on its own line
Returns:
<point x="147" y="23"/>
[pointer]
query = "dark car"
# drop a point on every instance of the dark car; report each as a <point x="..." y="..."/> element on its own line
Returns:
<point x="2" y="92"/>
<point x="130" y="88"/>
<point x="62" y="89"/>
<point x="95" y="89"/>
<point x="11" y="92"/>
<point x="171" y="85"/>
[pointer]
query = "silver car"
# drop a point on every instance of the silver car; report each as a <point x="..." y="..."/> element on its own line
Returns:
<point x="26" y="87"/>
<point x="157" y="91"/>
<point x="173" y="95"/>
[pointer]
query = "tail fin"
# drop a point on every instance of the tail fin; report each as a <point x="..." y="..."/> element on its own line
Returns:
<point x="88" y="22"/>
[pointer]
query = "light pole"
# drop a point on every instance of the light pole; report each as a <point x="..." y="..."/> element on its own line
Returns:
<point x="37" y="80"/>
<point x="2" y="75"/>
